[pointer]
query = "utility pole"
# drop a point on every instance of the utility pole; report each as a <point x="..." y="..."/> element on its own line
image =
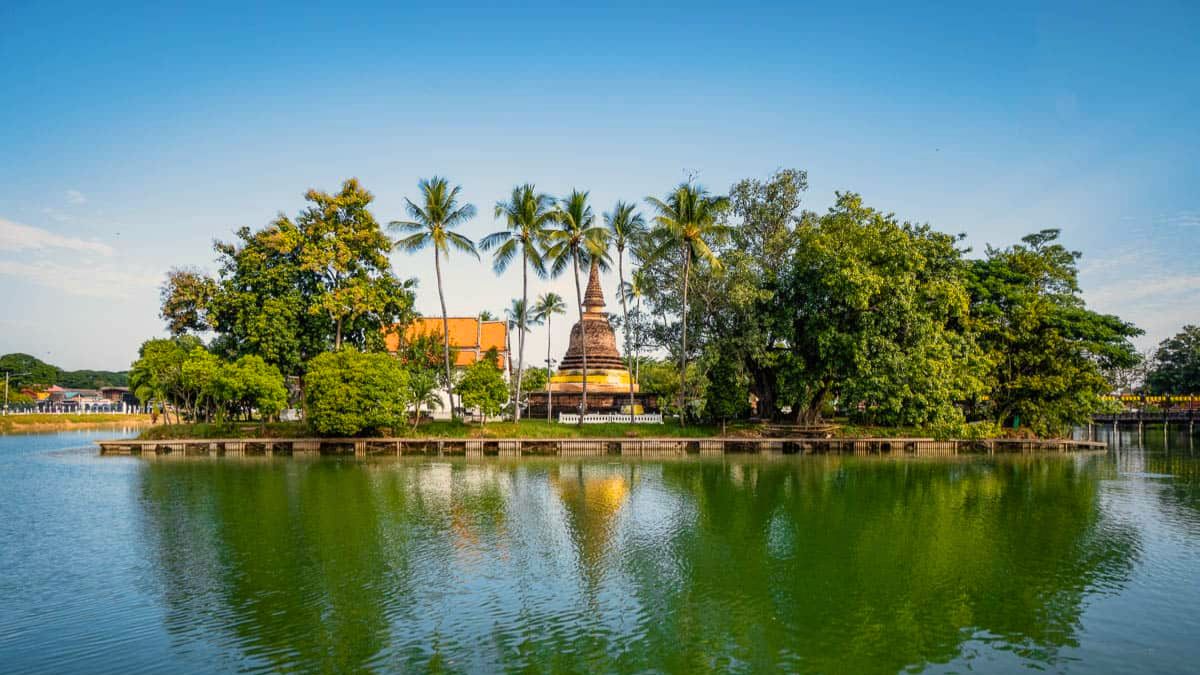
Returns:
<point x="7" y="375"/>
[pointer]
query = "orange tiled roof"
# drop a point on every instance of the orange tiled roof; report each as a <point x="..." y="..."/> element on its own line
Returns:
<point x="468" y="337"/>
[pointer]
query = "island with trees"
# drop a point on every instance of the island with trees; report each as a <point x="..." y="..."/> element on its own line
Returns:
<point x="735" y="309"/>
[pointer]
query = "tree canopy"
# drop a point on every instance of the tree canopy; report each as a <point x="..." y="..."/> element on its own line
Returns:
<point x="296" y="288"/>
<point x="350" y="392"/>
<point x="1176" y="364"/>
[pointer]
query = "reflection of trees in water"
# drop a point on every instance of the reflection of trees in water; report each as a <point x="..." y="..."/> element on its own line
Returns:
<point x="849" y="565"/>
<point x="831" y="564"/>
<point x="310" y="565"/>
<point x="289" y="565"/>
<point x="1172" y="478"/>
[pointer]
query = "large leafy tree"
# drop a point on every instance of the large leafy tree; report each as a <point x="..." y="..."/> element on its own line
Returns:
<point x="187" y="296"/>
<point x="432" y="225"/>
<point x="547" y="305"/>
<point x="626" y="228"/>
<point x="528" y="217"/>
<point x="344" y="251"/>
<point x="577" y="240"/>
<point x="158" y="373"/>
<point x="295" y="288"/>
<point x="878" y="310"/>
<point x="1176" y="365"/>
<point x="687" y="221"/>
<point x="1049" y="352"/>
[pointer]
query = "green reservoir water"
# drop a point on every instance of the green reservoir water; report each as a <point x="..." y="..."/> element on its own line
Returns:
<point x="1077" y="563"/>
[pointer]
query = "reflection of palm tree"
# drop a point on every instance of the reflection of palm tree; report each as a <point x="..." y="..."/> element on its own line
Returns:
<point x="547" y="305"/>
<point x="433" y="224"/>
<point x="528" y="216"/>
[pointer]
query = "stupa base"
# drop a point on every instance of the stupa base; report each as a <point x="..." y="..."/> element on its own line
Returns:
<point x="598" y="402"/>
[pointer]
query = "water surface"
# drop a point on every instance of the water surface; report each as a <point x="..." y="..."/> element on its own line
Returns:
<point x="1077" y="563"/>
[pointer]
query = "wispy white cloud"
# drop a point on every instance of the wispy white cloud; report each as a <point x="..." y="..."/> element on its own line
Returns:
<point x="18" y="237"/>
<point x="104" y="280"/>
<point x="76" y="197"/>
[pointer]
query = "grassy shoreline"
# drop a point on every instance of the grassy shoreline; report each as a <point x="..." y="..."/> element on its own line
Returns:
<point x="10" y="424"/>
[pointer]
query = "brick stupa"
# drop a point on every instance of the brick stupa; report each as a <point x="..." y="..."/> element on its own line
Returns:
<point x="608" y="377"/>
<point x="606" y="371"/>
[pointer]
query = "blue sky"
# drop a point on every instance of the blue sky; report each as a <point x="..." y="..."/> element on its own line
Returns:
<point x="131" y="137"/>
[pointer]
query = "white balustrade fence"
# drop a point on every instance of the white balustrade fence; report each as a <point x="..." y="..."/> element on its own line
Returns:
<point x="610" y="418"/>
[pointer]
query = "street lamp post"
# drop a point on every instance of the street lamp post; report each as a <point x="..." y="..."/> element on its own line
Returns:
<point x="8" y="375"/>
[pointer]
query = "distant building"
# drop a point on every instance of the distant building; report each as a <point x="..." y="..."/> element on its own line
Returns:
<point x="108" y="399"/>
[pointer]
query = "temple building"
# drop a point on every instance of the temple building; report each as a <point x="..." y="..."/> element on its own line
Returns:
<point x="470" y="341"/>
<point x="608" y="377"/>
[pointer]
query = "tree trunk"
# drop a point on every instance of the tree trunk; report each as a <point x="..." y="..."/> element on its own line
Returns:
<point x="625" y="319"/>
<point x="582" y="337"/>
<point x="437" y="265"/>
<point x="521" y="332"/>
<point x="549" y="393"/>
<point x="687" y="268"/>
<point x="337" y="341"/>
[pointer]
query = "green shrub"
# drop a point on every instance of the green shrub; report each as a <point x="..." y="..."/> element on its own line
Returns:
<point x="349" y="392"/>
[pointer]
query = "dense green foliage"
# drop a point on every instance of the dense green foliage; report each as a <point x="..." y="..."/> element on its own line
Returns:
<point x="1176" y="366"/>
<point x="481" y="387"/>
<point x="33" y="372"/>
<point x="851" y="312"/>
<point x="190" y="380"/>
<point x="296" y="287"/>
<point x="1048" y="351"/>
<point x="889" y="322"/>
<point x="350" y="392"/>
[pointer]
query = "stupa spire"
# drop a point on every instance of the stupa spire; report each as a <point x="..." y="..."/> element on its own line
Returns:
<point x="593" y="298"/>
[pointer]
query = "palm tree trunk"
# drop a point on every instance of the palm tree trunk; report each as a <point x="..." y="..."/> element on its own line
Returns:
<point x="521" y="331"/>
<point x="437" y="265"/>
<point x="687" y="268"/>
<point x="637" y="359"/>
<point x="625" y="320"/>
<point x="549" y="392"/>
<point x="582" y="336"/>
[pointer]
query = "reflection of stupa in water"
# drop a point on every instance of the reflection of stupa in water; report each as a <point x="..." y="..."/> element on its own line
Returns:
<point x="608" y="377"/>
<point x="592" y="497"/>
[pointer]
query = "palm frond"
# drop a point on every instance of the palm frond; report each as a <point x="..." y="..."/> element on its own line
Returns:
<point x="494" y="239"/>
<point x="414" y="242"/>
<point x="462" y="243"/>
<point x="504" y="255"/>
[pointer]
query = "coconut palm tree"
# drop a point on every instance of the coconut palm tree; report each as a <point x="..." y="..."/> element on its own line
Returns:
<point x="528" y="216"/>
<point x="626" y="227"/>
<point x="547" y="305"/>
<point x="688" y="219"/>
<point x="433" y="224"/>
<point x="577" y="239"/>
<point x="631" y="292"/>
<point x="522" y="319"/>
